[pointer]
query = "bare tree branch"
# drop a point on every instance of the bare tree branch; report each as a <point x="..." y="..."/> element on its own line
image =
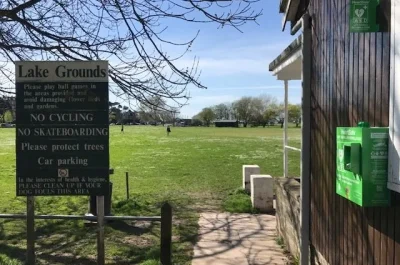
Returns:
<point x="130" y="34"/>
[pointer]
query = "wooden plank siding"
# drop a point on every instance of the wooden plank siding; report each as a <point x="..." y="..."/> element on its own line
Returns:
<point x="350" y="83"/>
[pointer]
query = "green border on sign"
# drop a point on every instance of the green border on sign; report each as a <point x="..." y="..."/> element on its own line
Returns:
<point x="363" y="16"/>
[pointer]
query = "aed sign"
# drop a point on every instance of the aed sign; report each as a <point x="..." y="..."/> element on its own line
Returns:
<point x="363" y="15"/>
<point x="62" y="133"/>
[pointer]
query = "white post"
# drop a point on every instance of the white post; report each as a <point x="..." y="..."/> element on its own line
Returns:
<point x="285" y="137"/>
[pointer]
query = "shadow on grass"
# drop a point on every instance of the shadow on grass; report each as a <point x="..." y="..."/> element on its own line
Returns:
<point x="130" y="229"/>
<point x="71" y="242"/>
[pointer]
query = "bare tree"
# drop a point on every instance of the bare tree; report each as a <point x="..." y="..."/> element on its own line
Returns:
<point x="130" y="34"/>
<point x="221" y="111"/>
<point x="158" y="110"/>
<point x="259" y="106"/>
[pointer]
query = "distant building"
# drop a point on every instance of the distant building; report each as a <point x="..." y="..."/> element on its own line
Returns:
<point x="226" y="123"/>
<point x="130" y="117"/>
<point x="184" y="122"/>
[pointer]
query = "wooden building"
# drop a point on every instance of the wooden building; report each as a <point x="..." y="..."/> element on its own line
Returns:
<point x="226" y="123"/>
<point x="347" y="77"/>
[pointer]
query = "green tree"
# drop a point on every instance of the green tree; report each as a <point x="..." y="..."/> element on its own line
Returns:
<point x="294" y="113"/>
<point x="207" y="115"/>
<point x="243" y="109"/>
<point x="5" y="107"/>
<point x="8" y="116"/>
<point x="271" y="113"/>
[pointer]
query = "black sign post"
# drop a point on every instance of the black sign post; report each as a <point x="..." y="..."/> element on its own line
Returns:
<point x="62" y="133"/>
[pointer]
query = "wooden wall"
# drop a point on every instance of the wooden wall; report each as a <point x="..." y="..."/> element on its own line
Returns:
<point x="350" y="83"/>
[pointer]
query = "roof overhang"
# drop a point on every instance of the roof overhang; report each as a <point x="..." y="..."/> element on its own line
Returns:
<point x="289" y="8"/>
<point x="287" y="66"/>
<point x="283" y="5"/>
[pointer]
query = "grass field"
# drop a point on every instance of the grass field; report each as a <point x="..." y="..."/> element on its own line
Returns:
<point x="194" y="169"/>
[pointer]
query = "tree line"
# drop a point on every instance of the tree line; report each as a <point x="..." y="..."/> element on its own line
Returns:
<point x="6" y="109"/>
<point x="155" y="111"/>
<point x="255" y="111"/>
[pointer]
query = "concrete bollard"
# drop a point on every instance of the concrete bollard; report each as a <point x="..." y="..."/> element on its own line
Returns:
<point x="262" y="193"/>
<point x="249" y="170"/>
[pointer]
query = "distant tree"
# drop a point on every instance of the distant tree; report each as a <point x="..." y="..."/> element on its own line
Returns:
<point x="262" y="104"/>
<point x="165" y="116"/>
<point x="294" y="113"/>
<point x="196" y="122"/>
<point x="281" y="114"/>
<point x="114" y="112"/>
<point x="8" y="116"/>
<point x="174" y="114"/>
<point x="144" y="117"/>
<point x="271" y="113"/>
<point x="157" y="110"/>
<point x="207" y="116"/>
<point x="152" y="109"/>
<point x="243" y="109"/>
<point x="222" y="111"/>
<point x="5" y="107"/>
<point x="233" y="115"/>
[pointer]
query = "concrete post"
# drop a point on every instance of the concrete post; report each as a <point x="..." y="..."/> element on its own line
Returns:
<point x="249" y="170"/>
<point x="262" y="193"/>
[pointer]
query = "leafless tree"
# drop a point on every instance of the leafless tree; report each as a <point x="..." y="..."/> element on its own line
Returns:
<point x="221" y="111"/>
<point x="130" y="34"/>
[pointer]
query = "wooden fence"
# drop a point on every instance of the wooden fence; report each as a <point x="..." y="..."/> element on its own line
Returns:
<point x="165" y="219"/>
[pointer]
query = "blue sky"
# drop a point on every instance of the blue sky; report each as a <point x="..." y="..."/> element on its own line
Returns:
<point x="233" y="64"/>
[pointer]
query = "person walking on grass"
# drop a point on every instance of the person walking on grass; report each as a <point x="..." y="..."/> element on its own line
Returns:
<point x="168" y="130"/>
<point x="122" y="128"/>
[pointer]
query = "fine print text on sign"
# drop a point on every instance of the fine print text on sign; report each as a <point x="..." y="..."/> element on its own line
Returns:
<point x="62" y="134"/>
<point x="363" y="16"/>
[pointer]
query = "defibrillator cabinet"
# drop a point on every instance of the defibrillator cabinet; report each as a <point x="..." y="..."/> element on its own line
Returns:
<point x="362" y="164"/>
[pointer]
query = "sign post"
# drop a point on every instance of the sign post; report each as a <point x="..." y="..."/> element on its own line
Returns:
<point x="30" y="230"/>
<point x="62" y="132"/>
<point x="363" y="16"/>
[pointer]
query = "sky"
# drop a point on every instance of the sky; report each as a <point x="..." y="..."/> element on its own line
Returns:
<point x="235" y="64"/>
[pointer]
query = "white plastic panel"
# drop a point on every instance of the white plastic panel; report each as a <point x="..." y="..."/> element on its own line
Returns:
<point x="394" y="120"/>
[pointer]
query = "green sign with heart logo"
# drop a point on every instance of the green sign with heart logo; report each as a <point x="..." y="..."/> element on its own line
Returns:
<point x="363" y="16"/>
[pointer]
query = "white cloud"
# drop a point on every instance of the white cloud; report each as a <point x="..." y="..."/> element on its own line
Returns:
<point x="211" y="100"/>
<point x="234" y="59"/>
<point x="271" y="87"/>
<point x="245" y="51"/>
<point x="228" y="66"/>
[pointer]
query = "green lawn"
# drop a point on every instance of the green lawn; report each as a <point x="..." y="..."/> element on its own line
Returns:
<point x="193" y="168"/>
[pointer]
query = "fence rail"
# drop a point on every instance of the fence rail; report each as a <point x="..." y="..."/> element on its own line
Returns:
<point x="292" y="148"/>
<point x="83" y="217"/>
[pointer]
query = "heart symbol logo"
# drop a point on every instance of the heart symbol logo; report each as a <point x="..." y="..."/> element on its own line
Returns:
<point x="359" y="12"/>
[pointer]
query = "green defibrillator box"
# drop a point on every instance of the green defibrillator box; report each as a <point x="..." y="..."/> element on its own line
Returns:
<point x="362" y="164"/>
